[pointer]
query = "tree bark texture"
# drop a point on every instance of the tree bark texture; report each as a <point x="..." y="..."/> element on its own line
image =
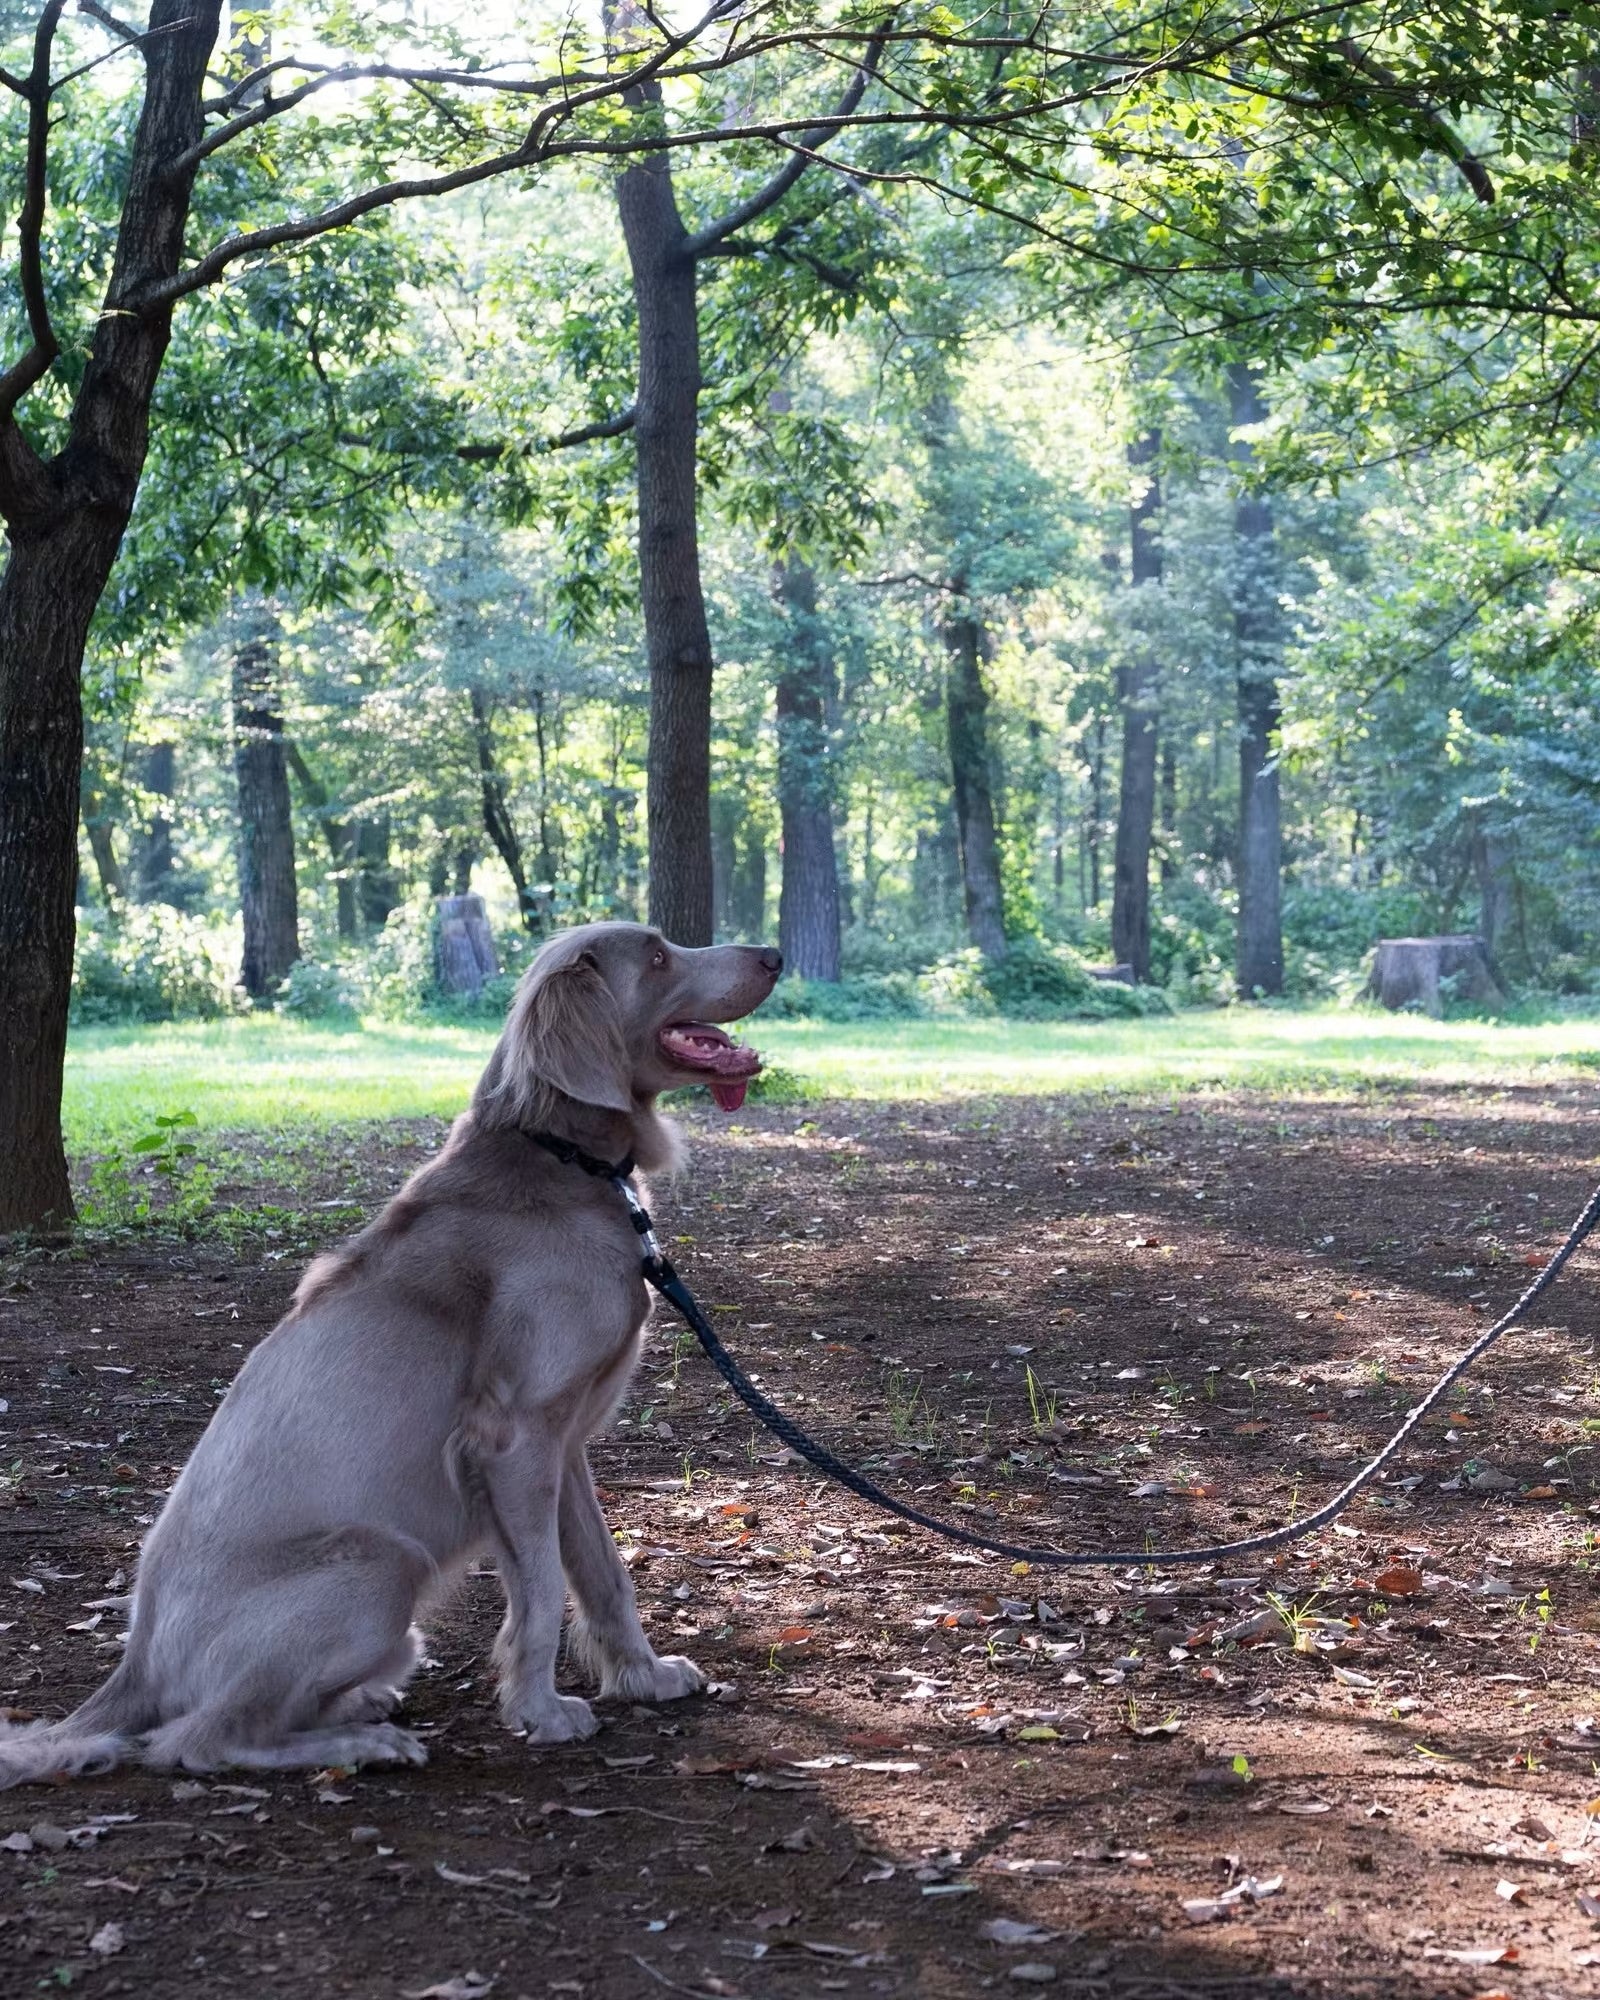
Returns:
<point x="497" y="820"/>
<point x="464" y="953"/>
<point x="967" y="714"/>
<point x="152" y="851"/>
<point x="1258" y="639"/>
<point x="1494" y="865"/>
<point x="1406" y="972"/>
<point x="268" y="893"/>
<point x="677" y="637"/>
<point x="64" y="520"/>
<point x="1140" y="698"/>
<point x="808" y="901"/>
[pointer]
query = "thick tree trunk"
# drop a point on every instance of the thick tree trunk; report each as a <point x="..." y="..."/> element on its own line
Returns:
<point x="64" y="520"/>
<point x="677" y="638"/>
<point x="268" y="894"/>
<point x="152" y="853"/>
<point x="1140" y="696"/>
<point x="808" y="903"/>
<point x="1258" y="637"/>
<point x="967" y="712"/>
<point x="47" y="597"/>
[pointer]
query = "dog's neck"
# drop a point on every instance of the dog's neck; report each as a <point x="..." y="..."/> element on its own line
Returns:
<point x="641" y="1135"/>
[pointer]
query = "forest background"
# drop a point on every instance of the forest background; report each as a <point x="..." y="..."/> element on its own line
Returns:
<point x="983" y="495"/>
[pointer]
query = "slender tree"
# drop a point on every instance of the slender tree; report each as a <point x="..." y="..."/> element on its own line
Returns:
<point x="664" y="255"/>
<point x="1258" y="639"/>
<point x="268" y="892"/>
<point x="1138" y="691"/>
<point x="808" y="905"/>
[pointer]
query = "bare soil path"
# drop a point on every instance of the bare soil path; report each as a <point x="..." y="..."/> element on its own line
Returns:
<point x="1370" y="1768"/>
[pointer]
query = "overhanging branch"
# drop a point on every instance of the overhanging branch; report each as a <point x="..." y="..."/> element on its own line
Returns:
<point x="33" y="366"/>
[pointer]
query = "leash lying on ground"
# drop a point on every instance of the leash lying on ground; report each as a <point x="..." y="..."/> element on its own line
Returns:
<point x="658" y="1272"/>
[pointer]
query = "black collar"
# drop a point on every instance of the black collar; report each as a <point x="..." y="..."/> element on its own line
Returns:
<point x="574" y="1156"/>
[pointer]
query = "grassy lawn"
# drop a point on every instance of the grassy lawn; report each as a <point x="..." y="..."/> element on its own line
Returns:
<point x="271" y="1074"/>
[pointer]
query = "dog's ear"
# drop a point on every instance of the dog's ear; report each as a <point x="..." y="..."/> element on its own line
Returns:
<point x="572" y="1035"/>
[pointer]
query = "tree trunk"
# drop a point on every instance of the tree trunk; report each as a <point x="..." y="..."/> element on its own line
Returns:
<point x="677" y="638"/>
<point x="64" y="519"/>
<point x="497" y="820"/>
<point x="967" y="710"/>
<point x="808" y="902"/>
<point x="1169" y="810"/>
<point x="1494" y="865"/>
<point x="268" y="894"/>
<point x="47" y="597"/>
<point x="152" y="852"/>
<point x="1094" y="830"/>
<point x="1140" y="694"/>
<point x="340" y="836"/>
<point x="102" y="845"/>
<point x="1406" y="972"/>
<point x="1258" y="637"/>
<point x="377" y="884"/>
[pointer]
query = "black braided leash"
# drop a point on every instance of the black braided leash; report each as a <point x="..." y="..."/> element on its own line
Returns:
<point x="658" y="1272"/>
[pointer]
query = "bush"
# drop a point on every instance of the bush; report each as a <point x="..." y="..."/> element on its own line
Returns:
<point x="1034" y="982"/>
<point x="152" y="963"/>
<point x="886" y="997"/>
<point x="318" y="992"/>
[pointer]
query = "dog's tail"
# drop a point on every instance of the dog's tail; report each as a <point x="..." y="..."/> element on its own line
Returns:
<point x="93" y="1739"/>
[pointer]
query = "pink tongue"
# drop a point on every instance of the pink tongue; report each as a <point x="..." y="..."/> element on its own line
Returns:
<point x="729" y="1091"/>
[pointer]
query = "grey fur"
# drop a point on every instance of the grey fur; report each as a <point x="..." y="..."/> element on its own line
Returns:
<point x="426" y="1400"/>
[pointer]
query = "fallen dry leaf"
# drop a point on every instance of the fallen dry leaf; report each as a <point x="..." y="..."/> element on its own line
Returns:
<point x="1400" y="1581"/>
<point x="1011" y="1931"/>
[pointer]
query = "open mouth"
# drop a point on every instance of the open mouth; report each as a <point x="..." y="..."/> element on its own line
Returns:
<point x="726" y="1066"/>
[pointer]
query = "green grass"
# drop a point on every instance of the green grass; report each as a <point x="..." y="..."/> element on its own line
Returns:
<point x="268" y="1074"/>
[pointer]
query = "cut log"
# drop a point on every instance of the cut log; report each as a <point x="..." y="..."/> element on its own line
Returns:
<point x="1408" y="972"/>
<point x="1115" y="975"/>
<point x="464" y="953"/>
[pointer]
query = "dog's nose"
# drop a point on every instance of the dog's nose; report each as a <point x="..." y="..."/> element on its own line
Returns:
<point x="771" y="960"/>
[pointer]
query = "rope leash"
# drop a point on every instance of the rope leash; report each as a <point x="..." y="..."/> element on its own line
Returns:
<point x="659" y="1273"/>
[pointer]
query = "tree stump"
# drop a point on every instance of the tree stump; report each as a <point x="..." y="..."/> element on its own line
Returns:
<point x="1406" y="972"/>
<point x="464" y="953"/>
<point x="1114" y="975"/>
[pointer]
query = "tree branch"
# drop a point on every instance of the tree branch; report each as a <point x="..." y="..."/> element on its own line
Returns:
<point x="604" y="427"/>
<point x="109" y="21"/>
<point x="702" y="241"/>
<point x="1470" y="167"/>
<point x="33" y="366"/>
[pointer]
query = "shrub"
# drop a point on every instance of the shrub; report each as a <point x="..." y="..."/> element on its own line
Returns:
<point x="316" y="991"/>
<point x="152" y="963"/>
<point x="884" y="997"/>
<point x="1034" y="982"/>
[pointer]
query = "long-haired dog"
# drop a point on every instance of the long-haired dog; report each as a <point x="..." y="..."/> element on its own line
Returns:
<point x="427" y="1399"/>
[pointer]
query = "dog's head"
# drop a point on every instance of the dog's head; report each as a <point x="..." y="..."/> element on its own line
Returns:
<point x="609" y="1015"/>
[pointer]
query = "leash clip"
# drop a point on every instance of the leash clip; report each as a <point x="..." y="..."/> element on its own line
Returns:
<point x="639" y="1216"/>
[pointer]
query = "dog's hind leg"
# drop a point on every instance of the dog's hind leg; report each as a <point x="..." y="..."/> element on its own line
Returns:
<point x="275" y="1681"/>
<point x="606" y="1636"/>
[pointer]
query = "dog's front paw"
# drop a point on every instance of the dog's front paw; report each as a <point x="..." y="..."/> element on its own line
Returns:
<point x="563" y="1718"/>
<point x="656" y="1679"/>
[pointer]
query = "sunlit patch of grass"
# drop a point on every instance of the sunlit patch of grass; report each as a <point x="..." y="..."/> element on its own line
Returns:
<point x="268" y="1074"/>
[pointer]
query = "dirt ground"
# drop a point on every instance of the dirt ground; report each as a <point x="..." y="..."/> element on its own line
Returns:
<point x="1370" y="1768"/>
